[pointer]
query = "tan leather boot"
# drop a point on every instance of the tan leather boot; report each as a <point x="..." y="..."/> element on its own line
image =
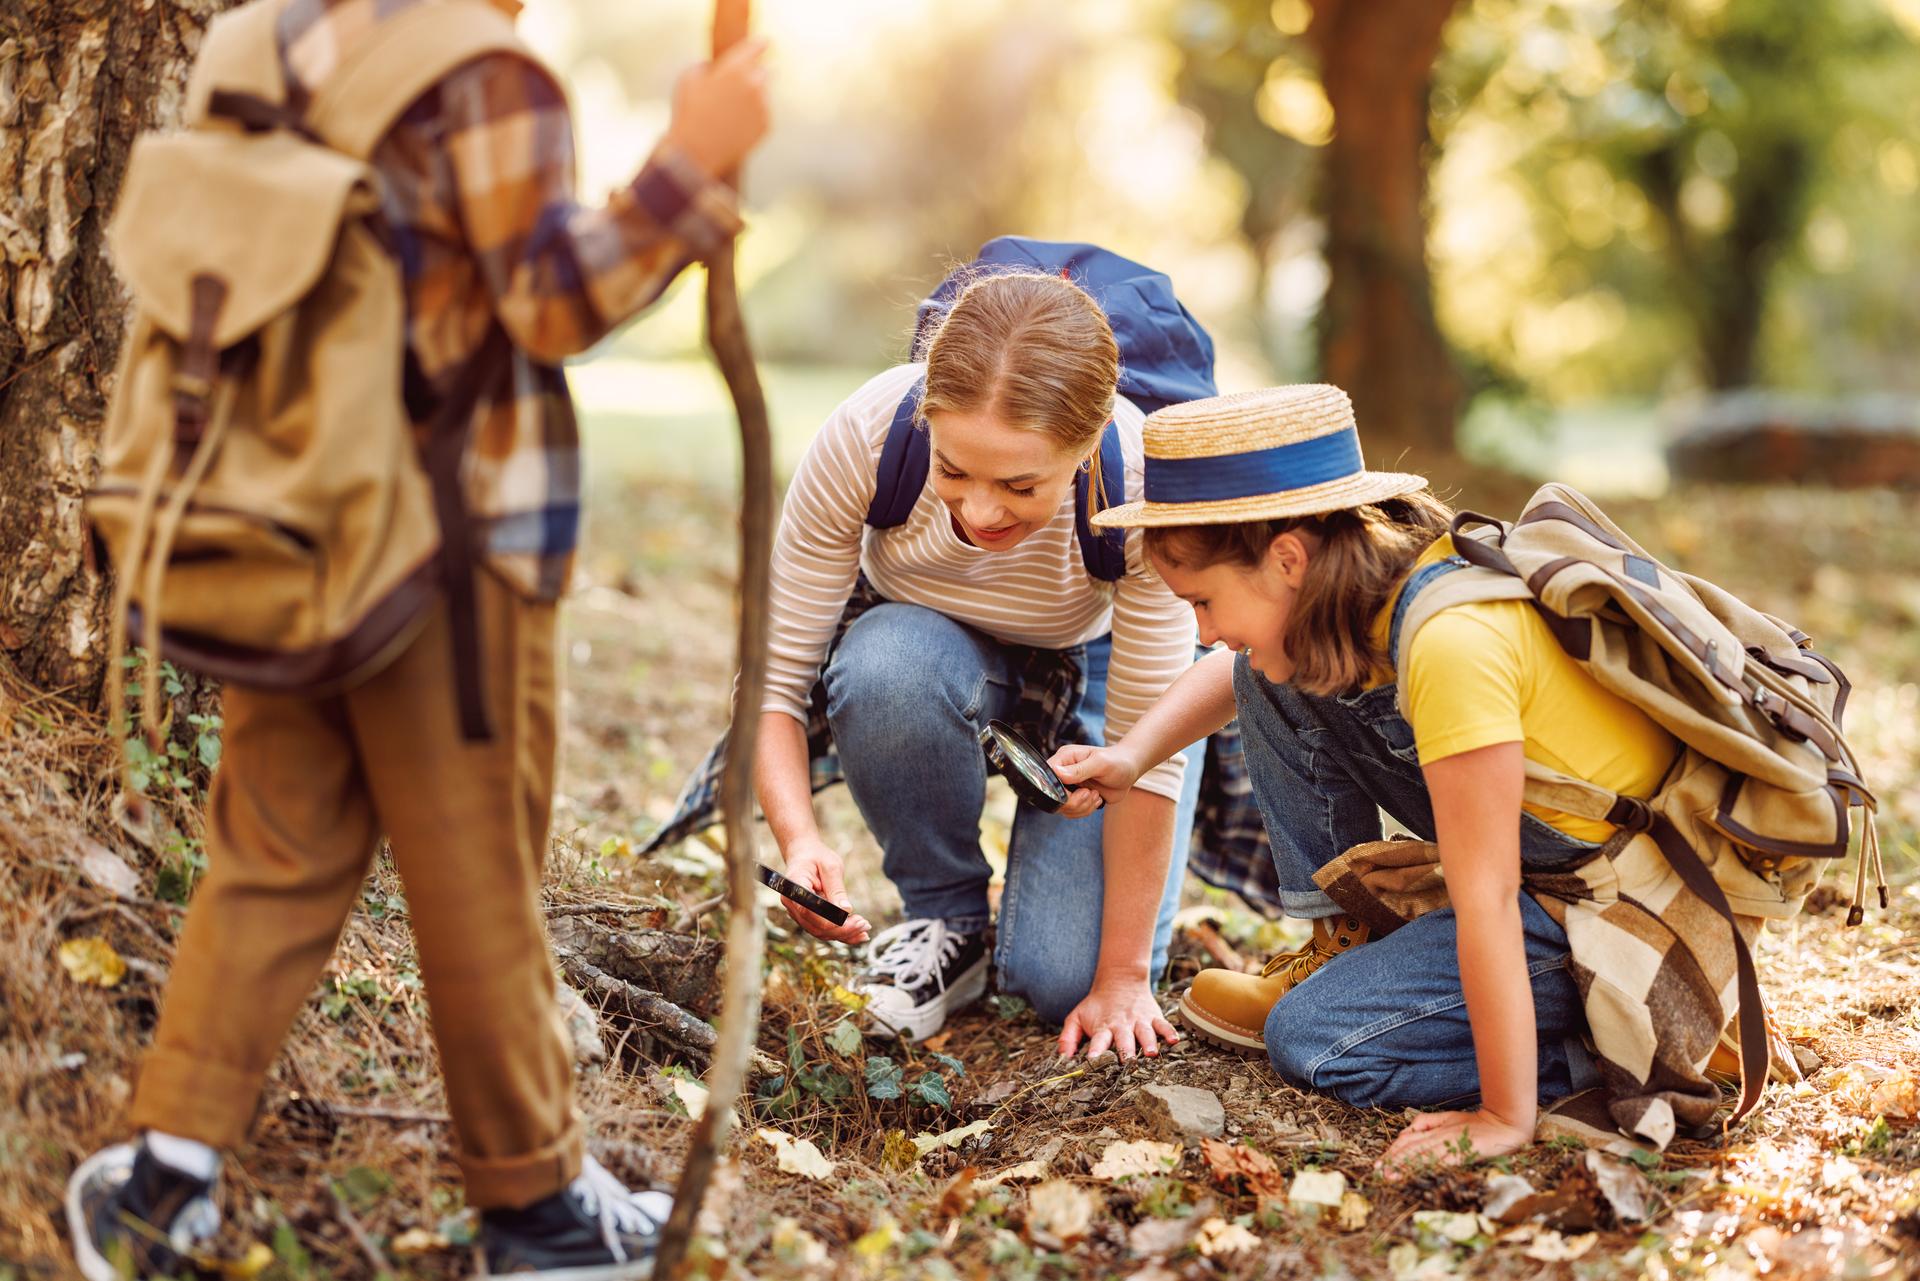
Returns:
<point x="1231" y="1009"/>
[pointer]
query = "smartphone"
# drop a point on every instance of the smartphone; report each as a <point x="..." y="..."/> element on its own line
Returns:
<point x="802" y="895"/>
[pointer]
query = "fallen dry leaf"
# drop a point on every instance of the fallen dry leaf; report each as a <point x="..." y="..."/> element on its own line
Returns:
<point x="930" y="1142"/>
<point x="1217" y="1237"/>
<point x="92" y="961"/>
<point x="257" y="1259"/>
<point x="1157" y="1238"/>
<point x="1230" y="1161"/>
<point x="796" y="1247"/>
<point x="1060" y="1213"/>
<point x="937" y="1043"/>
<point x="960" y="1193"/>
<point x="1897" y="1096"/>
<point x="692" y="1096"/>
<point x="416" y="1241"/>
<point x="1354" y="1210"/>
<point x="797" y="1156"/>
<point x="1625" y="1188"/>
<point x="1549" y="1246"/>
<point x="1406" y="1262"/>
<point x="1450" y="1226"/>
<point x="1504" y="1192"/>
<point x="1318" y="1187"/>
<point x="105" y="868"/>
<point x="1130" y="1157"/>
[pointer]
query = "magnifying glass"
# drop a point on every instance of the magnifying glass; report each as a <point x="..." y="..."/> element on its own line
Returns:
<point x="1024" y="766"/>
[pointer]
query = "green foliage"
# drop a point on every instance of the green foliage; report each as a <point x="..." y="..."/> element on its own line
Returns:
<point x="883" y="1077"/>
<point x="185" y="859"/>
<point x="1689" y="179"/>
<point x="184" y="764"/>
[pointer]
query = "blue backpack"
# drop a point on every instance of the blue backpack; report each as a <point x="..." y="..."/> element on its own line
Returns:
<point x="1165" y="358"/>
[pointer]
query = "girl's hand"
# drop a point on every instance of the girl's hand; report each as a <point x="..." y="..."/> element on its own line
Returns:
<point x="818" y="868"/>
<point x="1121" y="1014"/>
<point x="1438" y="1135"/>
<point x="1097" y="775"/>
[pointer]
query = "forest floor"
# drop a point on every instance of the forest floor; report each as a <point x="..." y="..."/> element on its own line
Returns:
<point x="1026" y="1168"/>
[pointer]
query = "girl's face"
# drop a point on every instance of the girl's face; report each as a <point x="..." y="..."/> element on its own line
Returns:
<point x="1000" y="482"/>
<point x="1246" y="607"/>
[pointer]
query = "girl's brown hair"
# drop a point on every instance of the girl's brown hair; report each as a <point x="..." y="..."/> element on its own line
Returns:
<point x="1033" y="350"/>
<point x="1363" y="554"/>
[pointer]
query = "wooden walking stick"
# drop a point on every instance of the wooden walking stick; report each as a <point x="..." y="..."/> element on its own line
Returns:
<point x="740" y="1005"/>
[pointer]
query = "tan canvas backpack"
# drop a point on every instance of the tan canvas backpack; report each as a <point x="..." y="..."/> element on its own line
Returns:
<point x="270" y="512"/>
<point x="1757" y="803"/>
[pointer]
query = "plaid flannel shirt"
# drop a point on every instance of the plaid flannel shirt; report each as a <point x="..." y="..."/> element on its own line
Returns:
<point x="478" y="179"/>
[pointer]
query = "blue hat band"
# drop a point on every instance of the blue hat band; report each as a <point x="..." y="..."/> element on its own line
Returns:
<point x="1299" y="465"/>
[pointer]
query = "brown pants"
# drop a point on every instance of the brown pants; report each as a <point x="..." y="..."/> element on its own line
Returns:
<point x="306" y="787"/>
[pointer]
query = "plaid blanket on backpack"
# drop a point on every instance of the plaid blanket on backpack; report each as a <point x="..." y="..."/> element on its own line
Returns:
<point x="1654" y="965"/>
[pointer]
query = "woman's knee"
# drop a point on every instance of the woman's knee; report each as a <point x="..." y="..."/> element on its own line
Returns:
<point x="903" y="666"/>
<point x="1051" y="982"/>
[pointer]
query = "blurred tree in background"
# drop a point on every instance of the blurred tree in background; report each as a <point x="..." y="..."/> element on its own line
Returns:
<point x="1645" y="183"/>
<point x="1352" y="80"/>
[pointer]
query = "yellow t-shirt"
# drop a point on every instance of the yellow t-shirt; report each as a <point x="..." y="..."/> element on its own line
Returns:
<point x="1490" y="672"/>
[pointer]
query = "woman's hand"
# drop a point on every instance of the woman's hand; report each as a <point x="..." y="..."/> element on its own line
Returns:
<point x="1120" y="1013"/>
<point x="811" y="863"/>
<point x="1438" y="1135"/>
<point x="1097" y="775"/>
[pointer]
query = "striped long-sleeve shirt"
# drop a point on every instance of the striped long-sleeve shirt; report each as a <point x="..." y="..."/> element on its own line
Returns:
<point x="1035" y="593"/>
<point x="478" y="188"/>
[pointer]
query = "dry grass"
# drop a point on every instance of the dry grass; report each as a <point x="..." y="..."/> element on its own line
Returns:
<point x="1812" y="1185"/>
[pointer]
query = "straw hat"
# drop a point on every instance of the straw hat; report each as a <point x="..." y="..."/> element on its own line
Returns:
<point x="1255" y="455"/>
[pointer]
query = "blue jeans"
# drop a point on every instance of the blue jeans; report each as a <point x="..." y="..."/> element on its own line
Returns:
<point x="908" y="691"/>
<point x="1385" y="1025"/>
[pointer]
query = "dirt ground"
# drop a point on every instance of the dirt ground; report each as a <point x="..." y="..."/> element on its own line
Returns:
<point x="346" y="1174"/>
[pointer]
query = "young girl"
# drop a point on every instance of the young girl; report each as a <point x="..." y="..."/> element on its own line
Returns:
<point x="1260" y="513"/>
<point x="978" y="606"/>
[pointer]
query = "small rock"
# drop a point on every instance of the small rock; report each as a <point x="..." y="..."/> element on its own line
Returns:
<point x="1181" y="1111"/>
<point x="1808" y="1059"/>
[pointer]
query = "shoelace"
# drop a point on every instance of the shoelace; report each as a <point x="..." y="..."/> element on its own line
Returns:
<point x="610" y="1200"/>
<point x="913" y="953"/>
<point x="1297" y="966"/>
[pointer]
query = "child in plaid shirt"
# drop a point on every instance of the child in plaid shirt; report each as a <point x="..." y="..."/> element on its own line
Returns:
<point x="477" y="179"/>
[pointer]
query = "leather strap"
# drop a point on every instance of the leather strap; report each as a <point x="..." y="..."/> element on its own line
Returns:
<point x="447" y="436"/>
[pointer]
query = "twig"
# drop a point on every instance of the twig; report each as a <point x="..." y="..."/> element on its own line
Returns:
<point x="656" y="1015"/>
<point x="1203" y="933"/>
<point x="603" y="909"/>
<point x="401" y="1115"/>
<point x="359" y="1234"/>
<point x="690" y="913"/>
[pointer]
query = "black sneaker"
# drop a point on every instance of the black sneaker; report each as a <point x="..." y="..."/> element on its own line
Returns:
<point x="919" y="972"/>
<point x="131" y="1216"/>
<point x="594" y="1229"/>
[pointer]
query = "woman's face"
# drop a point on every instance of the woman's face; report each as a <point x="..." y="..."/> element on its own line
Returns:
<point x="1000" y="482"/>
<point x="1245" y="607"/>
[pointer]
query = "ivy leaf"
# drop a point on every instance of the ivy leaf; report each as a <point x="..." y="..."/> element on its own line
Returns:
<point x="845" y="1038"/>
<point x="950" y="1063"/>
<point x="931" y="1089"/>
<point x="883" y="1078"/>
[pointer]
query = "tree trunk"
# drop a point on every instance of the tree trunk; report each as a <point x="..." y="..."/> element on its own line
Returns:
<point x="1378" y="337"/>
<point x="79" y="79"/>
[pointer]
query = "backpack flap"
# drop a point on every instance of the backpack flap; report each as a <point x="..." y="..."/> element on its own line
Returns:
<point x="193" y="205"/>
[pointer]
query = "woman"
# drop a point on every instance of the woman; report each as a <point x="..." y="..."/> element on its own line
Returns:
<point x="1302" y="562"/>
<point x="978" y="606"/>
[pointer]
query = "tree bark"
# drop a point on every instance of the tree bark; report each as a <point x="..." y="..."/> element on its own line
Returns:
<point x="79" y="80"/>
<point x="1378" y="337"/>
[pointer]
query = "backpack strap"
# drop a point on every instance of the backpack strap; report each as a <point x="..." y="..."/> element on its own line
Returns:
<point x="241" y="55"/>
<point x="1102" y="551"/>
<point x="906" y="457"/>
<point x="904" y="462"/>
<point x="400" y="59"/>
